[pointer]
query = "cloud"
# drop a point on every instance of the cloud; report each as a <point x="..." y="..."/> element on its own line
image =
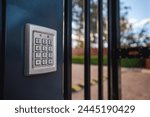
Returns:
<point x="139" y="23"/>
<point x="133" y="20"/>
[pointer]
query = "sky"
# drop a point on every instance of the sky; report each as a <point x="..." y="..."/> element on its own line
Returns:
<point x="139" y="12"/>
<point x="139" y="8"/>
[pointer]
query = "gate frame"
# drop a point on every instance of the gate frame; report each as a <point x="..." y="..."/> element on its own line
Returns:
<point x="2" y="45"/>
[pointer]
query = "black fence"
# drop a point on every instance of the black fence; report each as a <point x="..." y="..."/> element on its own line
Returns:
<point x="114" y="82"/>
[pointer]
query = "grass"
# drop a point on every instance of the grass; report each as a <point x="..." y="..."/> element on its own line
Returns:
<point x="134" y="62"/>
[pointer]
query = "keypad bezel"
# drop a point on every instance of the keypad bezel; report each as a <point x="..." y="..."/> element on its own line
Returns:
<point x="40" y="54"/>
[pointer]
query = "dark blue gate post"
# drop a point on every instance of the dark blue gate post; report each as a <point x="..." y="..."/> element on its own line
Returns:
<point x="68" y="49"/>
<point x="46" y="13"/>
<point x="1" y="49"/>
<point x="2" y="44"/>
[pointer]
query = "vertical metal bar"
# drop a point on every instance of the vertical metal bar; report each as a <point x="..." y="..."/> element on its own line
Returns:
<point x="100" y="50"/>
<point x="109" y="51"/>
<point x="67" y="50"/>
<point x="1" y="50"/>
<point x="114" y="79"/>
<point x="116" y="45"/>
<point x="87" y="91"/>
<point x="2" y="44"/>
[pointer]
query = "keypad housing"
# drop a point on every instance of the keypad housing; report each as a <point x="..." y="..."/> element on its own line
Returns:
<point x="40" y="50"/>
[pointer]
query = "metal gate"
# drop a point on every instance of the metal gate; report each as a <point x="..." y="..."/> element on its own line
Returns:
<point x="114" y="82"/>
<point x="12" y="38"/>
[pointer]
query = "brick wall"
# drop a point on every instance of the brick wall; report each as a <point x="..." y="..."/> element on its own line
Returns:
<point x="80" y="51"/>
<point x="147" y="63"/>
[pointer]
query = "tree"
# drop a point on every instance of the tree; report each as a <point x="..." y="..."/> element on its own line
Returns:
<point x="94" y="20"/>
<point x="128" y="37"/>
<point x="78" y="18"/>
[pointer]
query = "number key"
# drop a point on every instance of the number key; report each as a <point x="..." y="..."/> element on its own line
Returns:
<point x="50" y="42"/>
<point x="37" y="55"/>
<point x="44" y="48"/>
<point x="37" y="62"/>
<point x="44" y="41"/>
<point x="44" y="55"/>
<point x="37" y="48"/>
<point x="50" y="62"/>
<point x="38" y="40"/>
<point x="44" y="61"/>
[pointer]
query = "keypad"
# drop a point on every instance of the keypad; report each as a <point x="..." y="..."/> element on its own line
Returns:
<point x="40" y="49"/>
<point x="43" y="46"/>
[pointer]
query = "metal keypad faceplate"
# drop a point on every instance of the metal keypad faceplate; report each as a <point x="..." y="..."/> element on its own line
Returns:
<point x="40" y="52"/>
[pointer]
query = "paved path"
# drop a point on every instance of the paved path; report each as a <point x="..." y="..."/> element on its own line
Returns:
<point x="135" y="82"/>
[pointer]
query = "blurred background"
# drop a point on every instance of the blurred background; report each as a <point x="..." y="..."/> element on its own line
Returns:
<point x="134" y="32"/>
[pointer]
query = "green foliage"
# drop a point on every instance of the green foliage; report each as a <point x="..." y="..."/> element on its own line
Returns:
<point x="134" y="62"/>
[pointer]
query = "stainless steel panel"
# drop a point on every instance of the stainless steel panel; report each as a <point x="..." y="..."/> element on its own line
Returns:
<point x="40" y="42"/>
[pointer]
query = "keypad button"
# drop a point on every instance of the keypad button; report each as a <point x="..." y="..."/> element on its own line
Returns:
<point x="37" y="62"/>
<point x="44" y="48"/>
<point x="38" y="48"/>
<point x="50" y="48"/>
<point x="44" y="41"/>
<point x="44" y="55"/>
<point x="37" y="55"/>
<point x="38" y="40"/>
<point x="50" y="61"/>
<point x="48" y="36"/>
<point x="44" y="62"/>
<point x="50" y="55"/>
<point x="50" y="42"/>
